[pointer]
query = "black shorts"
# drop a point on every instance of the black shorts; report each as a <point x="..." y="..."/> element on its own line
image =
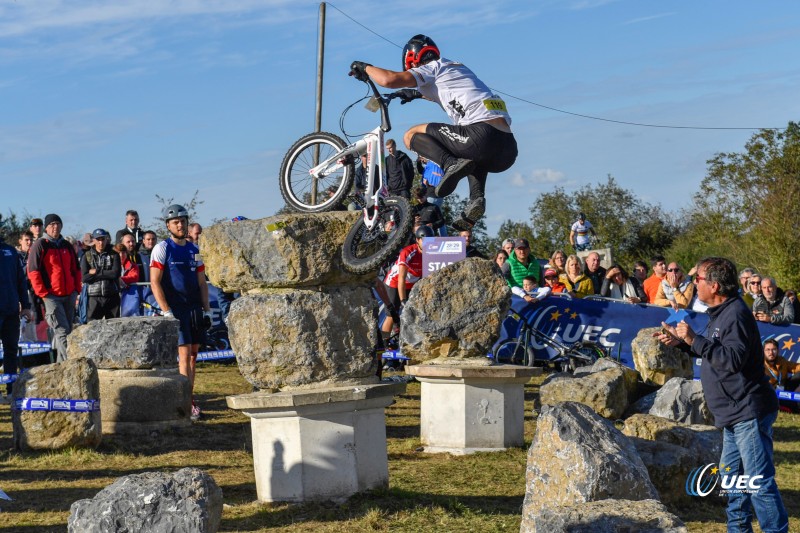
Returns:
<point x="492" y="150"/>
<point x="192" y="329"/>
<point x="393" y="303"/>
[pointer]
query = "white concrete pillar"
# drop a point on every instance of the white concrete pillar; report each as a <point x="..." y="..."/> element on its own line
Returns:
<point x="318" y="444"/>
<point x="467" y="409"/>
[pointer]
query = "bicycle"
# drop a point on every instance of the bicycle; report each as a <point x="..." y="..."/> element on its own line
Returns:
<point x="519" y="350"/>
<point x="317" y="174"/>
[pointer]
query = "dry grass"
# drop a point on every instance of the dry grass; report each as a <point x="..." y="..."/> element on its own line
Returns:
<point x="481" y="492"/>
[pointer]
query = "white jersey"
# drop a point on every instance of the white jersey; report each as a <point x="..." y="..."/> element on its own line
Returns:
<point x="464" y="97"/>
<point x="582" y="231"/>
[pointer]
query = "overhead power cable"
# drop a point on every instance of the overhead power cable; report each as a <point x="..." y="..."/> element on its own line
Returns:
<point x="581" y="115"/>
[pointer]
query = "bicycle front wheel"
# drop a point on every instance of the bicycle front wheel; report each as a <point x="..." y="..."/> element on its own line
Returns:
<point x="585" y="354"/>
<point x="513" y="352"/>
<point x="365" y="250"/>
<point x="309" y="193"/>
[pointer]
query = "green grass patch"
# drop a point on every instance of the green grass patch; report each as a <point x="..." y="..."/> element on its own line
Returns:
<point x="427" y="492"/>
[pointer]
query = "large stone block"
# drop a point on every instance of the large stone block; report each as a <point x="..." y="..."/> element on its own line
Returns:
<point x="455" y="313"/>
<point x="606" y="516"/>
<point x="188" y="501"/>
<point x="74" y="379"/>
<point x="287" y="338"/>
<point x="292" y="250"/>
<point x="133" y="342"/>
<point x="576" y="457"/>
<point x="606" y="391"/>
<point x="657" y="363"/>
<point x="680" y="400"/>
<point x="703" y="442"/>
<point x="141" y="401"/>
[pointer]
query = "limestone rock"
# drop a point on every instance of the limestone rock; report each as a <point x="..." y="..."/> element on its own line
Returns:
<point x="703" y="442"/>
<point x="668" y="466"/>
<point x="141" y="401"/>
<point x="631" y="375"/>
<point x="287" y="338"/>
<point x="291" y="250"/>
<point x="656" y="362"/>
<point x="74" y="379"/>
<point x="455" y="313"/>
<point x="132" y="342"/>
<point x="606" y="516"/>
<point x="576" y="457"/>
<point x="606" y="391"/>
<point x="680" y="400"/>
<point x="188" y="501"/>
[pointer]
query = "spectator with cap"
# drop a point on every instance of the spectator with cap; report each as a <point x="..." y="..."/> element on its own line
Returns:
<point x="56" y="278"/>
<point x="36" y="228"/>
<point x="551" y="279"/>
<point x="100" y="267"/>
<point x="131" y="228"/>
<point x="521" y="264"/>
<point x="14" y="304"/>
<point x="429" y="213"/>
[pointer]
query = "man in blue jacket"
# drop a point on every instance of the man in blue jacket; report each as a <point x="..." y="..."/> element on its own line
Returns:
<point x="738" y="395"/>
<point x="13" y="304"/>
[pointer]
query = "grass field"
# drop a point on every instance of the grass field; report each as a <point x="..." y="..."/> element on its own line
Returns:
<point x="480" y="493"/>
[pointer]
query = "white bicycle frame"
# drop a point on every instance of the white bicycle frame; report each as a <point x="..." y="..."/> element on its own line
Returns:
<point x="372" y="146"/>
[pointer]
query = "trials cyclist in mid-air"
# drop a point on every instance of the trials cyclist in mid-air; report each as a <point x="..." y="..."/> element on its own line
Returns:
<point x="480" y="140"/>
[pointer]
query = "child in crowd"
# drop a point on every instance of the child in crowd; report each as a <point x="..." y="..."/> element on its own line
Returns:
<point x="530" y="290"/>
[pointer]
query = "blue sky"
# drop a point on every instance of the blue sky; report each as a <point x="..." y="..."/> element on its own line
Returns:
<point x="106" y="104"/>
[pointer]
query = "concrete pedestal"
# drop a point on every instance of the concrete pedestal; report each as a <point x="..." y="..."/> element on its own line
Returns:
<point x="318" y="444"/>
<point x="140" y="401"/>
<point x="467" y="409"/>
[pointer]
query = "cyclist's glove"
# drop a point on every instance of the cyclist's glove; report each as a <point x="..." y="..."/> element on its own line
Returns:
<point x="358" y="69"/>
<point x="207" y="319"/>
<point x="406" y="95"/>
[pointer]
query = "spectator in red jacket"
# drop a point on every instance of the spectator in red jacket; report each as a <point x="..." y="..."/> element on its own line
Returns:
<point x="55" y="276"/>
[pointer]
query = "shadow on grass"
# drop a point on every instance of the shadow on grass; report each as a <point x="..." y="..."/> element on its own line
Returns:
<point x="402" y="432"/>
<point x="387" y="501"/>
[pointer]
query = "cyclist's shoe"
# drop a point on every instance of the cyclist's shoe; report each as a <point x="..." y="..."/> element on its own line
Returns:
<point x="196" y="412"/>
<point x="475" y="208"/>
<point x="452" y="175"/>
<point x="463" y="224"/>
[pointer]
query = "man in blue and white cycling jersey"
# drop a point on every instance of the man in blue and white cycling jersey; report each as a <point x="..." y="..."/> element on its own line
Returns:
<point x="478" y="142"/>
<point x="178" y="282"/>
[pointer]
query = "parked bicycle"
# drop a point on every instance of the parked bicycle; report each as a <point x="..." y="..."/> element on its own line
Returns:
<point x="520" y="350"/>
<point x="317" y="174"/>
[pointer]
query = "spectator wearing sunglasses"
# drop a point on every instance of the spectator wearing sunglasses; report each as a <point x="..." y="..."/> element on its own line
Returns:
<point x="773" y="306"/>
<point x="676" y="289"/>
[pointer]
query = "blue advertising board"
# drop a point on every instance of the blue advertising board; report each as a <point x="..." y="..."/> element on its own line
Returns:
<point x="614" y="324"/>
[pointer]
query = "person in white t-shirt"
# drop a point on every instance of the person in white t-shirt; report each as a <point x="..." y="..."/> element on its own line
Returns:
<point x="478" y="142"/>
<point x="579" y="234"/>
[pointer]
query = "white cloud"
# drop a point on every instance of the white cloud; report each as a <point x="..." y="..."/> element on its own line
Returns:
<point x="539" y="176"/>
<point x="648" y="18"/>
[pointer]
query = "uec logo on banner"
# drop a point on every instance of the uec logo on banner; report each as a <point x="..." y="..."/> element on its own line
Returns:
<point x="704" y="479"/>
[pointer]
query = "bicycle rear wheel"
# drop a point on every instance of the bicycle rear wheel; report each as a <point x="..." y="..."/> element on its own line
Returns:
<point x="584" y="354"/>
<point x="306" y="193"/>
<point x="513" y="352"/>
<point x="365" y="250"/>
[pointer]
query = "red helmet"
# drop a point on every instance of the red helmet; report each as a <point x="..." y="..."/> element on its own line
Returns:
<point x="419" y="49"/>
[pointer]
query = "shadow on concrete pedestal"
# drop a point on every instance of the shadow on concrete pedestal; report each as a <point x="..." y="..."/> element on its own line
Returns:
<point x="318" y="444"/>
<point x="467" y="409"/>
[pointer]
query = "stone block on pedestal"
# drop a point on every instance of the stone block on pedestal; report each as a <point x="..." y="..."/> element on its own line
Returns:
<point x="467" y="409"/>
<point x="318" y="444"/>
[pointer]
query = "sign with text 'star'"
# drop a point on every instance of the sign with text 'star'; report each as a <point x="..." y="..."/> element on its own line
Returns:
<point x="438" y="252"/>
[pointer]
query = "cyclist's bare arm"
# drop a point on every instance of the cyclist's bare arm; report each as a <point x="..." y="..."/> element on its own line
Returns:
<point x="391" y="79"/>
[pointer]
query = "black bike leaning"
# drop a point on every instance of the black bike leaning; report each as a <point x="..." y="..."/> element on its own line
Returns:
<point x="317" y="174"/>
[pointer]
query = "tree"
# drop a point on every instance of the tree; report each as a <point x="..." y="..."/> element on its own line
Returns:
<point x="632" y="228"/>
<point x="12" y="226"/>
<point x="191" y="208"/>
<point x="452" y="208"/>
<point x="747" y="205"/>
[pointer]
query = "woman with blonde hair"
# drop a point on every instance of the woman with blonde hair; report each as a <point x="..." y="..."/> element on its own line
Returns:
<point x="558" y="262"/>
<point x="577" y="283"/>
